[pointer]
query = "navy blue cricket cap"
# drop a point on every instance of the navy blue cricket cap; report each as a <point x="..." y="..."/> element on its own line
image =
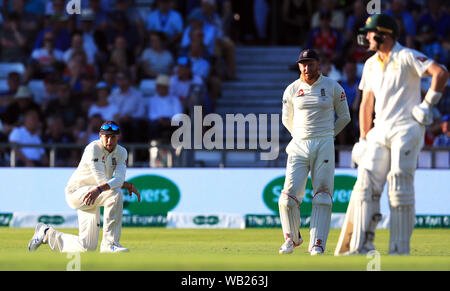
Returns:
<point x="308" y="54"/>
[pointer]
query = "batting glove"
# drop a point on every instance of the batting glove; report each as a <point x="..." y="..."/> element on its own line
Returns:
<point x="358" y="151"/>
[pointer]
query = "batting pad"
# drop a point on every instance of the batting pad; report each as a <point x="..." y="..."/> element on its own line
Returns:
<point x="290" y="217"/>
<point x="366" y="214"/>
<point x="402" y="225"/>
<point x="320" y="220"/>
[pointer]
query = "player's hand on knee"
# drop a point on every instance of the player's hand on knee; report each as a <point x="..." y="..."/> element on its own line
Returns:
<point x="132" y="189"/>
<point x="91" y="196"/>
<point x="358" y="150"/>
<point x="423" y="113"/>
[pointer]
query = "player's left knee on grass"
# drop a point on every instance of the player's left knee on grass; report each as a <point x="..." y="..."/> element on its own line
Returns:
<point x="401" y="201"/>
<point x="320" y="220"/>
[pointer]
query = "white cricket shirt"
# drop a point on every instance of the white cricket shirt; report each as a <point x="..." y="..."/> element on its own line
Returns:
<point x="98" y="166"/>
<point x="395" y="83"/>
<point x="309" y="111"/>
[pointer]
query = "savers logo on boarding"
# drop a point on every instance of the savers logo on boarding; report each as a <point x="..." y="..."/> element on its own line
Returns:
<point x="343" y="185"/>
<point x="159" y="195"/>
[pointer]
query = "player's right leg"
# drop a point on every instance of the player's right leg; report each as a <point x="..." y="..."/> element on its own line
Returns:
<point x="87" y="239"/>
<point x="289" y="202"/>
<point x="366" y="197"/>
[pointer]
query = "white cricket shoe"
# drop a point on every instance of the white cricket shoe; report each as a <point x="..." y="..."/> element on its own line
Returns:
<point x="316" y="251"/>
<point x="38" y="237"/>
<point x="288" y="246"/>
<point x="114" y="248"/>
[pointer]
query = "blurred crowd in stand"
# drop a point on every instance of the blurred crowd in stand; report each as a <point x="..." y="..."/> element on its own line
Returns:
<point x="140" y="62"/>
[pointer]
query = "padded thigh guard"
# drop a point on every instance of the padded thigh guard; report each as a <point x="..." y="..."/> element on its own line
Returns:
<point x="320" y="220"/>
<point x="366" y="213"/>
<point x="401" y="200"/>
<point x="289" y="208"/>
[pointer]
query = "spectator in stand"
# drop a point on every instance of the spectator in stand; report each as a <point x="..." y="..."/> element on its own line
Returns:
<point x="91" y="132"/>
<point x="100" y="16"/>
<point x="44" y="60"/>
<point x="87" y="95"/>
<point x="325" y="39"/>
<point x="183" y="81"/>
<point x="7" y="97"/>
<point x="78" y="45"/>
<point x="107" y="110"/>
<point x="161" y="108"/>
<point x="201" y="67"/>
<point x="14" y="113"/>
<point x="55" y="134"/>
<point x="66" y="106"/>
<point x="436" y="16"/>
<point x="225" y="47"/>
<point x="430" y="45"/>
<point x="294" y="23"/>
<point x="76" y="68"/>
<point x="122" y="34"/>
<point x="355" y="20"/>
<point x="131" y="107"/>
<point x="348" y="135"/>
<point x="13" y="40"/>
<point x="197" y="21"/>
<point x="94" y="38"/>
<point x="109" y="76"/>
<point x="57" y="7"/>
<point x="351" y="50"/>
<point x="168" y="21"/>
<point x="28" y="21"/>
<point x="337" y="18"/>
<point x="121" y="55"/>
<point x="405" y="20"/>
<point x="29" y="134"/>
<point x="50" y="91"/>
<point x="61" y="35"/>
<point x="156" y="59"/>
<point x="443" y="140"/>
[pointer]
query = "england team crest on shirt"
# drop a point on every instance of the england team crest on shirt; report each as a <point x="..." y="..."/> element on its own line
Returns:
<point x="300" y="93"/>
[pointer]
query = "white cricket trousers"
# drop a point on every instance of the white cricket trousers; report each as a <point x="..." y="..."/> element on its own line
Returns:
<point x="315" y="155"/>
<point x="89" y="222"/>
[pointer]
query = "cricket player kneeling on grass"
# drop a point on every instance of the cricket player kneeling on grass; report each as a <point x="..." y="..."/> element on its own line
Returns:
<point x="309" y="107"/>
<point x="96" y="182"/>
<point x="392" y="146"/>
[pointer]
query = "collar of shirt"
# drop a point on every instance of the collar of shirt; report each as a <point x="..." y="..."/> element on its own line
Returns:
<point x="393" y="51"/>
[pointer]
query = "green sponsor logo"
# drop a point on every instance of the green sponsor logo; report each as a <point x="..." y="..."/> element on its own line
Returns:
<point x="432" y="221"/>
<point x="270" y="221"/>
<point x="343" y="185"/>
<point x="210" y="220"/>
<point x="144" y="220"/>
<point x="159" y="195"/>
<point x="51" y="219"/>
<point x="5" y="218"/>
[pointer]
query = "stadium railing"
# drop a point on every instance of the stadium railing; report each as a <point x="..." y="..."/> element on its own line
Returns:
<point x="164" y="155"/>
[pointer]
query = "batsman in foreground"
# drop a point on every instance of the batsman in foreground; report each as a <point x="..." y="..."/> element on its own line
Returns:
<point x="96" y="182"/>
<point x="389" y="151"/>
<point x="309" y="107"/>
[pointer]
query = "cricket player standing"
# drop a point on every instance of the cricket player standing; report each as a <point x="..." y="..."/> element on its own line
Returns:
<point x="309" y="107"/>
<point x="96" y="182"/>
<point x="389" y="151"/>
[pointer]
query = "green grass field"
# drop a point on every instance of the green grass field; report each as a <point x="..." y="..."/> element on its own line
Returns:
<point x="221" y="250"/>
